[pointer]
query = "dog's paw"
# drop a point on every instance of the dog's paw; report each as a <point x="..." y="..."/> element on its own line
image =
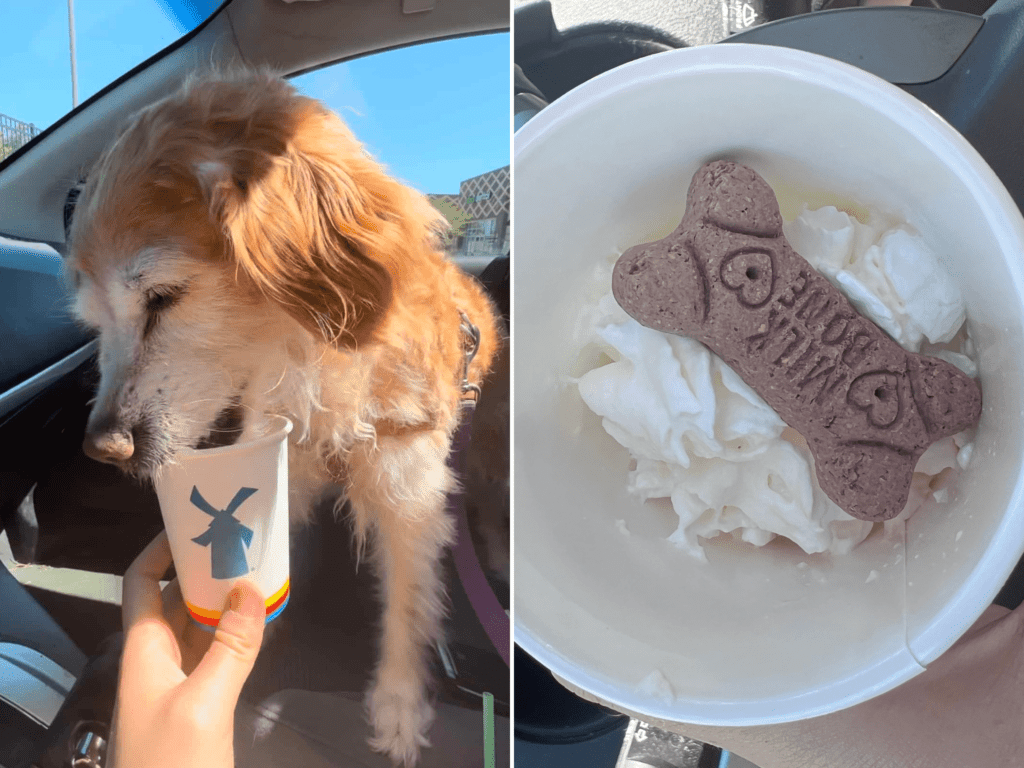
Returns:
<point x="400" y="717"/>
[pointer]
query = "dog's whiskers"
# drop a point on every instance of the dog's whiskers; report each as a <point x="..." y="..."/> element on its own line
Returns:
<point x="284" y="372"/>
<point x="190" y="403"/>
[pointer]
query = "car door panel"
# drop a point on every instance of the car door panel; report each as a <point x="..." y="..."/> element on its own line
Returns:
<point x="35" y="320"/>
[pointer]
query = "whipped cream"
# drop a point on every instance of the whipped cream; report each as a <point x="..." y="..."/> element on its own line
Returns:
<point x="702" y="438"/>
<point x="889" y="275"/>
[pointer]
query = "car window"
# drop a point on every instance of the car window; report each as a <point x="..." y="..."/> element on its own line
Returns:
<point x="437" y="115"/>
<point x="110" y="38"/>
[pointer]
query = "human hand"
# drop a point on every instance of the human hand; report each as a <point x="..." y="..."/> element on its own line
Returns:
<point x="966" y="709"/>
<point x="178" y="690"/>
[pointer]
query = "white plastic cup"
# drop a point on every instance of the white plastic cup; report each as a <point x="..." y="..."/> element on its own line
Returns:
<point x="226" y="515"/>
<point x="751" y="637"/>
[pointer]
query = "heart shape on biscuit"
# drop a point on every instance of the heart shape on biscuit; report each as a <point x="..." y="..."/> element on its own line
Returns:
<point x="877" y="393"/>
<point x="751" y="273"/>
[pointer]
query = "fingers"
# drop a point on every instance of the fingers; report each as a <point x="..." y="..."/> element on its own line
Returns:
<point x="140" y="596"/>
<point x="193" y="641"/>
<point x="991" y="615"/>
<point x="174" y="608"/>
<point x="150" y="647"/>
<point x="236" y="644"/>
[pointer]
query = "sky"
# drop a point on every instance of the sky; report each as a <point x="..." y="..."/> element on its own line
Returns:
<point x="435" y="114"/>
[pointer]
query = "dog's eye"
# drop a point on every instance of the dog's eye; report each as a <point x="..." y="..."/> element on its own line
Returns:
<point x="159" y="299"/>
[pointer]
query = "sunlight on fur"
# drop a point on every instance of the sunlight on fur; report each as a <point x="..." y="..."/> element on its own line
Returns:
<point x="240" y="253"/>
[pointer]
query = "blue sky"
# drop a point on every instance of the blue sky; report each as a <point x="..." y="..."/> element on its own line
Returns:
<point x="435" y="114"/>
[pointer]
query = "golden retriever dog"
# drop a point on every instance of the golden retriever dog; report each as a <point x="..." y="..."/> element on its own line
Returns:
<point x="239" y="253"/>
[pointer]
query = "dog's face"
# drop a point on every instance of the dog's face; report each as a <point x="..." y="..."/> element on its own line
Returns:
<point x="179" y="342"/>
<point x="229" y="226"/>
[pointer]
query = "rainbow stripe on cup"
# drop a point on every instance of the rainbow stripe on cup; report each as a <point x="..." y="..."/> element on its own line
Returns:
<point x="210" y="619"/>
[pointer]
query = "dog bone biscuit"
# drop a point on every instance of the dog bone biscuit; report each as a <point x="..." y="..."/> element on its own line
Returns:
<point x="727" y="277"/>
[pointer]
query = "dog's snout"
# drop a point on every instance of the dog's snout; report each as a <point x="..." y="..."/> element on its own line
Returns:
<point x="111" y="445"/>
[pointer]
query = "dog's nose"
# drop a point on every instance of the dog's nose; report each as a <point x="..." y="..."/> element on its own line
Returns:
<point x="110" y="446"/>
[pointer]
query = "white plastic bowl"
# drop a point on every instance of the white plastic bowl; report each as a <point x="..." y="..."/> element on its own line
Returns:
<point x="750" y="637"/>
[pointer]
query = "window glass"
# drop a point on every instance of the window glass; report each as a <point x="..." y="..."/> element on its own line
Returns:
<point x="110" y="38"/>
<point x="438" y="115"/>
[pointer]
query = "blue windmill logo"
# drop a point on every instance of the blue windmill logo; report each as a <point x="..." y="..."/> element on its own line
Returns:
<point x="226" y="537"/>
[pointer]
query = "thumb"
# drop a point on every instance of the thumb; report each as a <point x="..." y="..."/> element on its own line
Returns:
<point x="226" y="665"/>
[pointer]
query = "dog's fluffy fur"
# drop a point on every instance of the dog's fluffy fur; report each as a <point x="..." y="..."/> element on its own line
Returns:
<point x="239" y="253"/>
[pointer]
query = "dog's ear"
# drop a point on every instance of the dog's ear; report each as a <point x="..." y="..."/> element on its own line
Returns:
<point x="313" y="221"/>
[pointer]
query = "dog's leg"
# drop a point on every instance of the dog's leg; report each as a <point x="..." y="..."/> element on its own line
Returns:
<point x="398" y="492"/>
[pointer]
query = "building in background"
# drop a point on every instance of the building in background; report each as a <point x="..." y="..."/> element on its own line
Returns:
<point x="14" y="133"/>
<point x="478" y="214"/>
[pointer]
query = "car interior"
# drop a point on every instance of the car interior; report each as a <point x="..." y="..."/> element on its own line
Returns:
<point x="961" y="57"/>
<point x="59" y="647"/>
